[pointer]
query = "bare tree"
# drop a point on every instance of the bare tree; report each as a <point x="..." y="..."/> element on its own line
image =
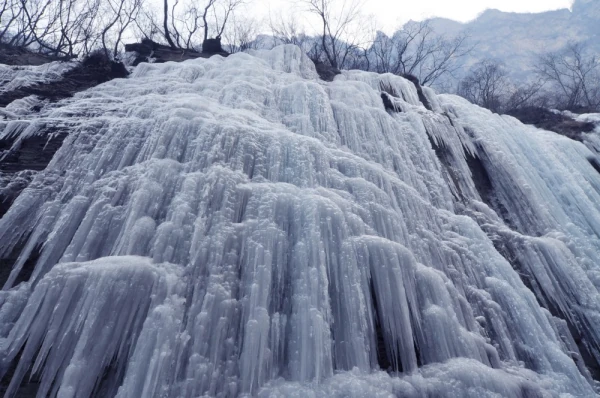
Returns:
<point x="119" y="14"/>
<point x="64" y="27"/>
<point x="440" y="58"/>
<point x="166" y="32"/>
<point x="25" y="21"/>
<point x="574" y="73"/>
<point x="383" y="55"/>
<point x="77" y="27"/>
<point x="145" y="25"/>
<point x="5" y="9"/>
<point x="486" y="84"/>
<point x="10" y="14"/>
<point x="68" y="27"/>
<point x="412" y="46"/>
<point x="182" y="22"/>
<point x="286" y="30"/>
<point x="193" y="24"/>
<point x="526" y="94"/>
<point x="340" y="30"/>
<point x="418" y="50"/>
<point x="222" y="11"/>
<point x="179" y="25"/>
<point x="241" y="35"/>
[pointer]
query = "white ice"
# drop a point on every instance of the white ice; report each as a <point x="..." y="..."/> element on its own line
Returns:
<point x="235" y="226"/>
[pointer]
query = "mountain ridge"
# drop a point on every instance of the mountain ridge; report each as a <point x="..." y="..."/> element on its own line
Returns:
<point x="516" y="38"/>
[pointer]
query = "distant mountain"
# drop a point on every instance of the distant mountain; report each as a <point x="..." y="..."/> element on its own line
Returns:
<point x="515" y="38"/>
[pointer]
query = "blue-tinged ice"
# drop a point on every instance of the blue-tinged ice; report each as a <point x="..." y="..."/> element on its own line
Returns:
<point x="236" y="227"/>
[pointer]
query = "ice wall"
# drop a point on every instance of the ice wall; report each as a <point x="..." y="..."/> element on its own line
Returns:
<point x="234" y="226"/>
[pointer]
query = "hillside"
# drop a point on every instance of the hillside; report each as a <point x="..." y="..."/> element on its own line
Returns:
<point x="514" y="37"/>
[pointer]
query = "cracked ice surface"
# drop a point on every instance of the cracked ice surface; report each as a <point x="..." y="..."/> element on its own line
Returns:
<point x="233" y="226"/>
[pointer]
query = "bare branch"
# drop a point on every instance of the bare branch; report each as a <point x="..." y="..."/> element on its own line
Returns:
<point x="340" y="33"/>
<point x="574" y="74"/>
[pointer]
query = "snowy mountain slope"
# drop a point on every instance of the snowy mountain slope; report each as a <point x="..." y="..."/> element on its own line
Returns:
<point x="234" y="226"/>
<point x="515" y="38"/>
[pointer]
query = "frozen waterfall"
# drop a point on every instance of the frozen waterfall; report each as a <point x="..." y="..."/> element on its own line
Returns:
<point x="237" y="227"/>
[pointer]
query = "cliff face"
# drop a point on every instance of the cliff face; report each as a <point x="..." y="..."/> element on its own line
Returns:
<point x="516" y="37"/>
<point x="237" y="226"/>
<point x="586" y="9"/>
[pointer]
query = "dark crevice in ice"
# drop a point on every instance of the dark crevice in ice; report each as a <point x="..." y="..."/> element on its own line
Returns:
<point x="388" y="103"/>
<point x="485" y="187"/>
<point x="446" y="160"/>
<point x="595" y="163"/>
<point x="28" y="386"/>
<point x="6" y="264"/>
<point x="382" y="355"/>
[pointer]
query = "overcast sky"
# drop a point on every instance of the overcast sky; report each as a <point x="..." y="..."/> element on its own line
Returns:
<point x="393" y="13"/>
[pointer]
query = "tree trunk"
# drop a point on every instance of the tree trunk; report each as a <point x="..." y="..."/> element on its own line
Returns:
<point x="166" y="24"/>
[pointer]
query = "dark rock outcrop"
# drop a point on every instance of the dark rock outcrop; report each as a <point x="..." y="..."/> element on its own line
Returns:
<point x="148" y="50"/>
<point x="557" y="122"/>
<point x="93" y="70"/>
<point x="326" y="72"/>
<point x="20" y="160"/>
<point x="13" y="55"/>
<point x="415" y="80"/>
<point x="212" y="46"/>
<point x="387" y="102"/>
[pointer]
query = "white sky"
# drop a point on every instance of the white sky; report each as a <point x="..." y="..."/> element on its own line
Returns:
<point x="390" y="14"/>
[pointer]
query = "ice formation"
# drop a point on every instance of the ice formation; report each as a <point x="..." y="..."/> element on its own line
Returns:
<point x="236" y="227"/>
<point x="13" y="77"/>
